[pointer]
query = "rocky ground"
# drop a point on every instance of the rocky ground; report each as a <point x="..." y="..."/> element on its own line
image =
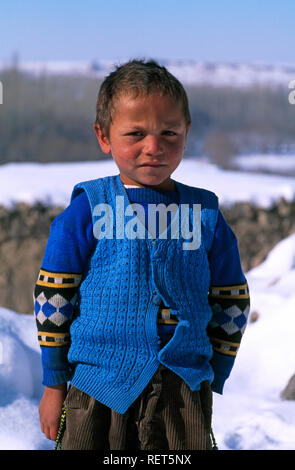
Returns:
<point x="24" y="231"/>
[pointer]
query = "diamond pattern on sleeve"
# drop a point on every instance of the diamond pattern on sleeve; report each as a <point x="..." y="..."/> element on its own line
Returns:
<point x="55" y="296"/>
<point x="230" y="306"/>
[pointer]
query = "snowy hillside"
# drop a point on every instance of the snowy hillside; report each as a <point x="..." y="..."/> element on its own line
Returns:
<point x="272" y="163"/>
<point x="52" y="183"/>
<point x="189" y="72"/>
<point x="249" y="416"/>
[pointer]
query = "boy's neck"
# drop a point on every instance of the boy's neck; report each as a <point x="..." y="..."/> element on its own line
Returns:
<point x="167" y="186"/>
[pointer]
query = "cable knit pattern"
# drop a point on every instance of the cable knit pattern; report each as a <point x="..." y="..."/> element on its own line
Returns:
<point x="115" y="345"/>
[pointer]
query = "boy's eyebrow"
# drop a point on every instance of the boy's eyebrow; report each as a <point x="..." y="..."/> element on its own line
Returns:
<point x="167" y="124"/>
<point x="173" y="123"/>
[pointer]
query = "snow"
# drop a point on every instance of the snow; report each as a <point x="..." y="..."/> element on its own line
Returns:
<point x="189" y="72"/>
<point x="52" y="183"/>
<point x="20" y="383"/>
<point x="273" y="163"/>
<point x="250" y="415"/>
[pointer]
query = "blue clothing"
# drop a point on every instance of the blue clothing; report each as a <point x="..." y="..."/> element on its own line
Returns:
<point x="114" y="341"/>
<point x="149" y="276"/>
<point x="75" y="227"/>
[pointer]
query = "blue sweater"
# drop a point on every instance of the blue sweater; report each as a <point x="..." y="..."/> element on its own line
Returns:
<point x="112" y="361"/>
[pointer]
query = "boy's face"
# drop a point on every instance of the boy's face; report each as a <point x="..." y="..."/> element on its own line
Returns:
<point x="146" y="138"/>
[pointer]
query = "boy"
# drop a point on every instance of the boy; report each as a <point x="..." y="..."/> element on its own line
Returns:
<point x="141" y="322"/>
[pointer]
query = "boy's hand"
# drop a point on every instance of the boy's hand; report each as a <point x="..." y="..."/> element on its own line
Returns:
<point x="50" y="409"/>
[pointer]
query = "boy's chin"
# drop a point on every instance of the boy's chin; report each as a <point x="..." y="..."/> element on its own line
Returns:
<point x="157" y="183"/>
<point x="151" y="181"/>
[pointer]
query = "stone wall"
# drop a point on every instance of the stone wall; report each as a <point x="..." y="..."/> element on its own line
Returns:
<point x="23" y="234"/>
<point x="259" y="230"/>
<point x="24" y="231"/>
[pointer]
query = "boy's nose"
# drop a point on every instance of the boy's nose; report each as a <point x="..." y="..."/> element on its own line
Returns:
<point x="153" y="145"/>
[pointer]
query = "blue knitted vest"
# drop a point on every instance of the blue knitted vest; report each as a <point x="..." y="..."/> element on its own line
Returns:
<point x="114" y="343"/>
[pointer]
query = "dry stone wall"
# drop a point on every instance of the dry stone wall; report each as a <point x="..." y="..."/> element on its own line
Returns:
<point x="24" y="231"/>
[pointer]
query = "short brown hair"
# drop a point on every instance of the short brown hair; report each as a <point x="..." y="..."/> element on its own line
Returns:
<point x="137" y="77"/>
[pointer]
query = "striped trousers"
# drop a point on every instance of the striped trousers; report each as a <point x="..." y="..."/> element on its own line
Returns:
<point x="166" y="416"/>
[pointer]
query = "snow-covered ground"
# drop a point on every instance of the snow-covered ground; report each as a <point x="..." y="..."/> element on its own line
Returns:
<point x="20" y="383"/>
<point x="52" y="183"/>
<point x="272" y="163"/>
<point x="250" y="415"/>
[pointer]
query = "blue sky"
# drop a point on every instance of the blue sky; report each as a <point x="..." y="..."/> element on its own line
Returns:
<point x="212" y="30"/>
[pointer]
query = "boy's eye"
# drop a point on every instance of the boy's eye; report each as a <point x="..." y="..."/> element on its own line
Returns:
<point x="169" y="133"/>
<point x="141" y="133"/>
<point x="135" y="133"/>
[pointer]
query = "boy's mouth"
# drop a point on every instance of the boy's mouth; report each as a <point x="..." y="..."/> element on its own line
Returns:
<point x="152" y="164"/>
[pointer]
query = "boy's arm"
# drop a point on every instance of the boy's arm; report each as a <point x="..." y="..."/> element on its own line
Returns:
<point x="230" y="302"/>
<point x="55" y="295"/>
<point x="54" y="300"/>
<point x="67" y="252"/>
<point x="230" y="306"/>
<point x="50" y="409"/>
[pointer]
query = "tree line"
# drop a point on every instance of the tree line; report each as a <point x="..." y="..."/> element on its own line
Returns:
<point x="49" y="118"/>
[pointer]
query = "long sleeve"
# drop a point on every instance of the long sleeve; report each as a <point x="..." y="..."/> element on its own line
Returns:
<point x="69" y="245"/>
<point x="230" y="302"/>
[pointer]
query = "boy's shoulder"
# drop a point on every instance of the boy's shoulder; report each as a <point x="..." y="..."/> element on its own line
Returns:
<point x="205" y="192"/>
<point x="77" y="210"/>
<point x="82" y="185"/>
<point x="204" y="196"/>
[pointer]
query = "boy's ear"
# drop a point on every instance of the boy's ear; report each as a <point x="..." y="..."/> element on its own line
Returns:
<point x="188" y="126"/>
<point x="102" y="139"/>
